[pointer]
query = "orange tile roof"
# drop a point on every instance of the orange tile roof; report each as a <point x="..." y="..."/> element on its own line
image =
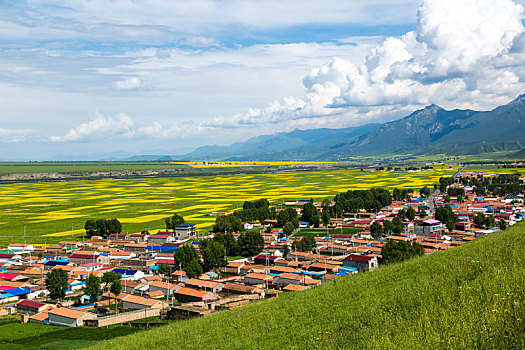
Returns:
<point x="41" y="316"/>
<point x="191" y="292"/>
<point x="135" y="299"/>
<point x="65" y="312"/>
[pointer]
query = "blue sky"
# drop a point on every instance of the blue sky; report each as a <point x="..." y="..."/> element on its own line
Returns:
<point x="94" y="77"/>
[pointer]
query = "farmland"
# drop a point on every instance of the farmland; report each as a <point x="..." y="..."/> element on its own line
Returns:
<point x="54" y="211"/>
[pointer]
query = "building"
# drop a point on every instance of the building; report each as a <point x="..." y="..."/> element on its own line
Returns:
<point x="198" y="284"/>
<point x="68" y="317"/>
<point x="184" y="231"/>
<point x="426" y="227"/>
<point x="360" y="262"/>
<point x="165" y="287"/>
<point x="85" y="258"/>
<point x="189" y="295"/>
<point x="137" y="303"/>
<point x="30" y="307"/>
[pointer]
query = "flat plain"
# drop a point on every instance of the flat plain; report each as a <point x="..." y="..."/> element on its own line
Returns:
<point x="52" y="211"/>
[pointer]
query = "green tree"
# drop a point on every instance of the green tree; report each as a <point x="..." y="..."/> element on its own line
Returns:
<point x="92" y="288"/>
<point x="397" y="225"/>
<point x="447" y="198"/>
<point x="56" y="282"/>
<point x="460" y="198"/>
<point x="173" y="221"/>
<point x="424" y="192"/>
<point x="112" y="283"/>
<point x="490" y="221"/>
<point x="288" y="229"/>
<point x="165" y="269"/>
<point x="394" y="251"/>
<point x="213" y="255"/>
<point x="376" y="229"/>
<point x="193" y="269"/>
<point x="229" y="242"/>
<point x="502" y="224"/>
<point x="480" y="219"/>
<point x="388" y="227"/>
<point x="185" y="255"/>
<point x="411" y="213"/>
<point x="251" y="242"/>
<point x="422" y="213"/>
<point x="446" y="214"/>
<point x="450" y="225"/>
<point x="286" y="250"/>
<point x="228" y="223"/>
<point x="90" y="227"/>
<point x="326" y="217"/>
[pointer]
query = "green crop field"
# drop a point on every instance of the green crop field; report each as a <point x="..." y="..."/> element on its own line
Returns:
<point x="470" y="297"/>
<point x="54" y="211"/>
<point x="68" y="167"/>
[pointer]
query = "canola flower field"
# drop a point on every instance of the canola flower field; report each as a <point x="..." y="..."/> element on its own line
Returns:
<point x="49" y="212"/>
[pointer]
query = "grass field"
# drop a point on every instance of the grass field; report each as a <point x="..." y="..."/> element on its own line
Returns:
<point x="14" y="335"/>
<point x="54" y="211"/>
<point x="67" y="167"/>
<point x="470" y="297"/>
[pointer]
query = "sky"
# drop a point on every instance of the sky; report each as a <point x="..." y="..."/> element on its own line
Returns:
<point x="103" y="78"/>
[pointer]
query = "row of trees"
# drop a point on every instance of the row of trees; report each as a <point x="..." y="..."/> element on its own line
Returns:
<point x="102" y="227"/>
<point x="397" y="251"/>
<point x="214" y="251"/>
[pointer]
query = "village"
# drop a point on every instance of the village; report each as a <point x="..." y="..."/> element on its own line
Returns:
<point x="152" y="285"/>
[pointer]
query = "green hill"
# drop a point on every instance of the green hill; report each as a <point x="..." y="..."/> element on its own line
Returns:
<point x="467" y="297"/>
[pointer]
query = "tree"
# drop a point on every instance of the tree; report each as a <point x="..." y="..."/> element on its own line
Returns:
<point x="306" y="244"/>
<point x="90" y="227"/>
<point x="165" y="269"/>
<point x="228" y="242"/>
<point x="112" y="283"/>
<point x="326" y="217"/>
<point x="376" y="229"/>
<point x="213" y="255"/>
<point x="92" y="288"/>
<point x="445" y="214"/>
<point x="56" y="282"/>
<point x="394" y="251"/>
<point x="450" y="225"/>
<point x="424" y="192"/>
<point x="173" y="221"/>
<point x="193" y="269"/>
<point x="185" y="255"/>
<point x="228" y="223"/>
<point x="411" y="213"/>
<point x="288" y="229"/>
<point x="502" y="224"/>
<point x="480" y="219"/>
<point x="447" y="198"/>
<point x="490" y="221"/>
<point x="460" y="198"/>
<point x="251" y="242"/>
<point x="422" y="213"/>
<point x="310" y="214"/>
<point x="387" y="227"/>
<point x="397" y="225"/>
<point x="286" y="250"/>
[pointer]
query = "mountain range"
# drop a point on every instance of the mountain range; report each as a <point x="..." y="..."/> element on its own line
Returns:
<point x="432" y="130"/>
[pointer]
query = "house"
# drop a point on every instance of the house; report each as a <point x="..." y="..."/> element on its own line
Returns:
<point x="68" y="317"/>
<point x="164" y="287"/>
<point x="189" y="295"/>
<point x="360" y="262"/>
<point x="204" y="285"/>
<point x="265" y="259"/>
<point x="185" y="230"/>
<point x="234" y="267"/>
<point x="30" y="307"/>
<point x="42" y="318"/>
<point x="235" y="288"/>
<point x="160" y="239"/>
<point x="257" y="278"/>
<point x="85" y="258"/>
<point x="294" y="288"/>
<point x="426" y="227"/>
<point x="137" y="303"/>
<point x="286" y="278"/>
<point x="94" y="266"/>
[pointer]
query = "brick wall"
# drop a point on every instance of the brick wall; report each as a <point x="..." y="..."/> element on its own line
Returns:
<point x="121" y="318"/>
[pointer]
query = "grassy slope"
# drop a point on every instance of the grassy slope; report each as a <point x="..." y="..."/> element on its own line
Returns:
<point x="467" y="297"/>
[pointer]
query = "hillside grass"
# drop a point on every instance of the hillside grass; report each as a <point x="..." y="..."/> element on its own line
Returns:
<point x="467" y="297"/>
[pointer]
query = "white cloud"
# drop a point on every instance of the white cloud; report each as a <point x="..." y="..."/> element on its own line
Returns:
<point x="201" y="41"/>
<point x="460" y="56"/>
<point x="14" y="135"/>
<point x="98" y="128"/>
<point x="131" y="83"/>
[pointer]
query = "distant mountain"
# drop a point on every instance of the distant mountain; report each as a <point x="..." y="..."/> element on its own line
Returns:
<point x="295" y="145"/>
<point x="431" y="130"/>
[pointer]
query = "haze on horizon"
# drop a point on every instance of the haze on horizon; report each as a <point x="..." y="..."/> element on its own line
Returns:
<point x="161" y="77"/>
